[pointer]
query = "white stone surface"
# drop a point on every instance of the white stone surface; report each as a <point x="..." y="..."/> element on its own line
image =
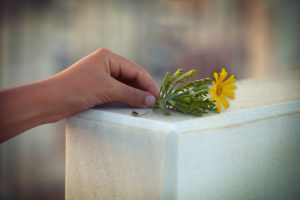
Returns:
<point x="250" y="151"/>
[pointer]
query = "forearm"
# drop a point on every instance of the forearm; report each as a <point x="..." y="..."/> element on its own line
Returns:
<point x="30" y="105"/>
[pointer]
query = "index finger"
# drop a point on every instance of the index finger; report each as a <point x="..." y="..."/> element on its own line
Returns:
<point x="123" y="69"/>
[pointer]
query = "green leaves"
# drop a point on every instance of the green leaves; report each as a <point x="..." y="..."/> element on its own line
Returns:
<point x="189" y="97"/>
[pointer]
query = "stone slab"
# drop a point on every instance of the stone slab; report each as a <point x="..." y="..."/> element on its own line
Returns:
<point x="250" y="151"/>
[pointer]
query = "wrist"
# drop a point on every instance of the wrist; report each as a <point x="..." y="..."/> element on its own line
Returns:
<point x="58" y="104"/>
<point x="67" y="96"/>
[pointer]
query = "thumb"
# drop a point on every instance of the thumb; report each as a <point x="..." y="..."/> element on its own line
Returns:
<point x="131" y="96"/>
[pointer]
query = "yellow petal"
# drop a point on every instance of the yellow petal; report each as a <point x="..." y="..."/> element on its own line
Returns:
<point x="212" y="90"/>
<point x="216" y="76"/>
<point x="213" y="82"/>
<point x="230" y="80"/>
<point x="219" y="108"/>
<point x="228" y="94"/>
<point x="212" y="98"/>
<point x="229" y="87"/>
<point x="224" y="102"/>
<point x="223" y="75"/>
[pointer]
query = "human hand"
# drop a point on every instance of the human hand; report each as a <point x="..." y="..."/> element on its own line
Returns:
<point x="104" y="76"/>
<point x="100" y="77"/>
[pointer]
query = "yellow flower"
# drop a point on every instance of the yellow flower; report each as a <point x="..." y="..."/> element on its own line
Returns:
<point x="221" y="89"/>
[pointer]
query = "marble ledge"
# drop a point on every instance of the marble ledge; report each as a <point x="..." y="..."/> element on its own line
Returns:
<point x="256" y="99"/>
<point x="250" y="151"/>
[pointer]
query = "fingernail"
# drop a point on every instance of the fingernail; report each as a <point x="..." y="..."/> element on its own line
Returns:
<point x="149" y="100"/>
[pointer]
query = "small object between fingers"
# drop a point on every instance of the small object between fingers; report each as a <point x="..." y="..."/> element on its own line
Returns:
<point x="136" y="114"/>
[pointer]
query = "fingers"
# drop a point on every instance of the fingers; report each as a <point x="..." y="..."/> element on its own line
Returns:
<point x="126" y="71"/>
<point x="130" y="95"/>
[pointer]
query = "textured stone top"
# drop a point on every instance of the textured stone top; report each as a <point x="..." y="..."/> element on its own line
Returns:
<point x="255" y="99"/>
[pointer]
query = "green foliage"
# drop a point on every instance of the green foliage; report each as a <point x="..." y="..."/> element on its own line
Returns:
<point x="189" y="97"/>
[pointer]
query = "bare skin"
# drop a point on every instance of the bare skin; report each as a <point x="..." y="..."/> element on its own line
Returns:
<point x="100" y="77"/>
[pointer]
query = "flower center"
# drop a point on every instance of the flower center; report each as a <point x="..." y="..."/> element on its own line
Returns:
<point x="219" y="90"/>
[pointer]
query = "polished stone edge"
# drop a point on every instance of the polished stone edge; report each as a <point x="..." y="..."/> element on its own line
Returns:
<point x="238" y="118"/>
<point x="126" y="120"/>
<point x="216" y="121"/>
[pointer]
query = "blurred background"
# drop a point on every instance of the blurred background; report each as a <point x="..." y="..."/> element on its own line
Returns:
<point x="39" y="38"/>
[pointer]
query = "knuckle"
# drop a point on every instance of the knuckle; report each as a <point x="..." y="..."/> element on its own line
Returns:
<point x="138" y="99"/>
<point x="141" y="73"/>
<point x="132" y="98"/>
<point x="103" y="51"/>
<point x="143" y="70"/>
<point x="135" y="93"/>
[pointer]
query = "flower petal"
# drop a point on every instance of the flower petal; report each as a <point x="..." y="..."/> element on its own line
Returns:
<point x="212" y="98"/>
<point x="216" y="76"/>
<point x="224" y="102"/>
<point x="219" y="108"/>
<point x="229" y="87"/>
<point x="212" y="90"/>
<point x="223" y="75"/>
<point x="229" y="94"/>
<point x="230" y="80"/>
